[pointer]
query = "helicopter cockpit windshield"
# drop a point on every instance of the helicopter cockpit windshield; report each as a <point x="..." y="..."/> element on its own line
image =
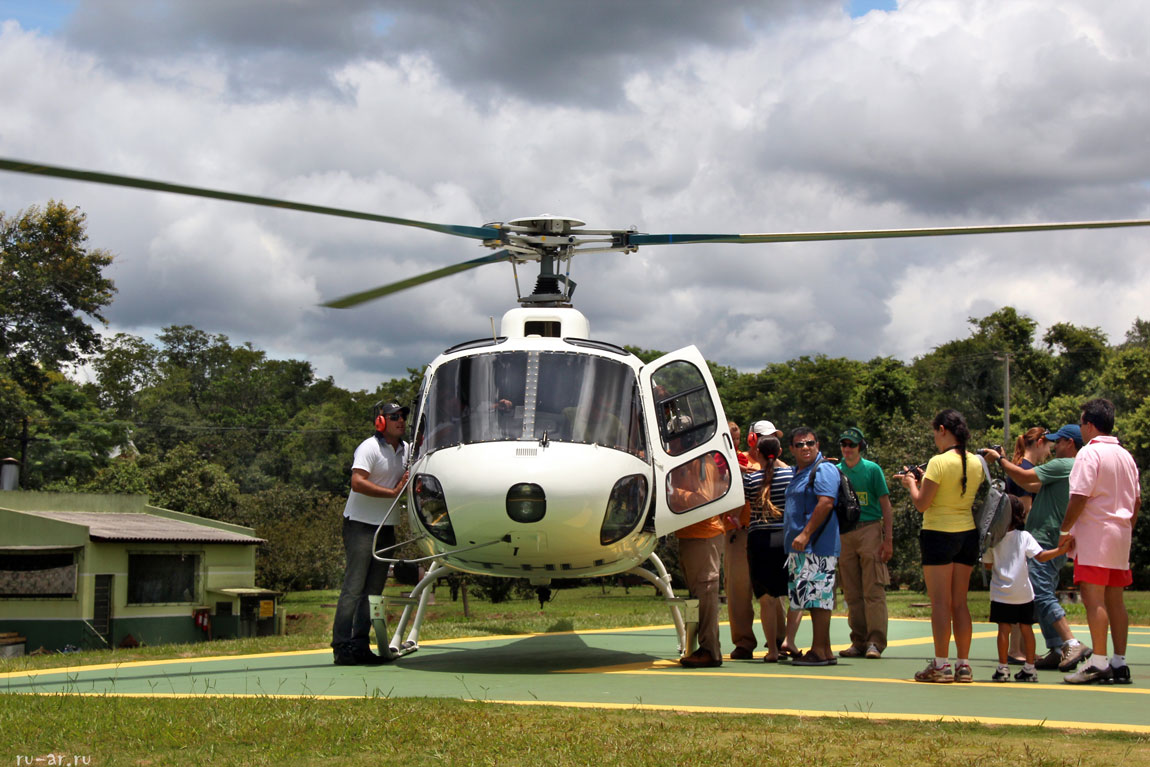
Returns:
<point x="534" y="395"/>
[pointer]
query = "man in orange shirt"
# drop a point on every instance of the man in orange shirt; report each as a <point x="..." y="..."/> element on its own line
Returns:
<point x="700" y="555"/>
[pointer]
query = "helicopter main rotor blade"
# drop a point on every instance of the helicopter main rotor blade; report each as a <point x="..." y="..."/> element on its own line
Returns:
<point x="35" y="169"/>
<point x="384" y="290"/>
<point x="876" y="234"/>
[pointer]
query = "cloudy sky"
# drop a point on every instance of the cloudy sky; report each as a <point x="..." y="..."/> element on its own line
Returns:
<point x="671" y="116"/>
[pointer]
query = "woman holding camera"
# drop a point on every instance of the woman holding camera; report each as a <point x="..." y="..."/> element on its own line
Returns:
<point x="949" y="541"/>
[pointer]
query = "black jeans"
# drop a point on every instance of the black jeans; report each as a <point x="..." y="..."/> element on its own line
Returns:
<point x="365" y="576"/>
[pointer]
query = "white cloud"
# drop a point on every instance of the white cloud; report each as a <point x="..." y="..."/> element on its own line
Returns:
<point x="939" y="113"/>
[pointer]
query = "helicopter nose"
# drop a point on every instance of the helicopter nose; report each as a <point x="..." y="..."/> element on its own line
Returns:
<point x="526" y="502"/>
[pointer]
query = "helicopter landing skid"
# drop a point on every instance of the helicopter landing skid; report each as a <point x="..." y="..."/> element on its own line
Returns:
<point x="415" y="602"/>
<point x="684" y="632"/>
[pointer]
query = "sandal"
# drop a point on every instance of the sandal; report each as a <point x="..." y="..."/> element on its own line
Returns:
<point x="810" y="659"/>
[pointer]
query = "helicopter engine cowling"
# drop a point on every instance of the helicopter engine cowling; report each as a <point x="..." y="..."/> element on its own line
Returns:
<point x="577" y="482"/>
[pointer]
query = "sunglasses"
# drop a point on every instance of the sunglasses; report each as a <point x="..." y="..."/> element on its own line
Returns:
<point x="805" y="443"/>
<point x="847" y="443"/>
<point x="397" y="417"/>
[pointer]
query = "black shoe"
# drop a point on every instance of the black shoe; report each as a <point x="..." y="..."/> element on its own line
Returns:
<point x="358" y="656"/>
<point x="1050" y="661"/>
<point x="344" y="658"/>
<point x="1121" y="675"/>
<point x="365" y="657"/>
<point x="700" y="659"/>
<point x="742" y="653"/>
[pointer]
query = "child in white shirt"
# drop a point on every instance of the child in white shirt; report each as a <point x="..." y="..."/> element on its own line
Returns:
<point x="1011" y="595"/>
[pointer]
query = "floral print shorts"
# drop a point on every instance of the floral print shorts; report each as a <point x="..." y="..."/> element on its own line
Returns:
<point x="812" y="581"/>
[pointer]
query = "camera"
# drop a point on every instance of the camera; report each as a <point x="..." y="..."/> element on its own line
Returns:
<point x="995" y="448"/>
<point x="914" y="471"/>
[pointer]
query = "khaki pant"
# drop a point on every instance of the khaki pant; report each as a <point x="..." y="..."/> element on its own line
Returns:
<point x="737" y="584"/>
<point x="864" y="576"/>
<point x="701" y="559"/>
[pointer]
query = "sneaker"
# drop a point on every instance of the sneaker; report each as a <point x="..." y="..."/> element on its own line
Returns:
<point x="1051" y="660"/>
<point x="963" y="673"/>
<point x="933" y="673"/>
<point x="1121" y="675"/>
<point x="873" y="652"/>
<point x="1026" y="676"/>
<point x="1072" y="655"/>
<point x="1001" y="674"/>
<point x="852" y="652"/>
<point x="1091" y="675"/>
<point x="742" y="653"/>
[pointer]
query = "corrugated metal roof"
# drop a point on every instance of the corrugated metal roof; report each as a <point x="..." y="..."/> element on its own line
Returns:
<point x="111" y="526"/>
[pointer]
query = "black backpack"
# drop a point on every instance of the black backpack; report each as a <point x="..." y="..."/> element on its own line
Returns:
<point x="847" y="508"/>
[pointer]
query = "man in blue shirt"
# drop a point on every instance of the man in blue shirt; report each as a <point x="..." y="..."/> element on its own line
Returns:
<point x="811" y="538"/>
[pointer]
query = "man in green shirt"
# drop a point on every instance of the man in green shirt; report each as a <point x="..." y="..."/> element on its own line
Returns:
<point x="1051" y="482"/>
<point x="865" y="551"/>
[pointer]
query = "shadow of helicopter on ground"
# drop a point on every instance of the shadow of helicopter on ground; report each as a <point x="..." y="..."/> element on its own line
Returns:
<point x="533" y="654"/>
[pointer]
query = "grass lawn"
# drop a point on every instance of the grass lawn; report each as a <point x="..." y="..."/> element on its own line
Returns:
<point x="313" y="731"/>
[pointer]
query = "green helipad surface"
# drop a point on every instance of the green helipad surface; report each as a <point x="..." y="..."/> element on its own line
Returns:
<point x="631" y="668"/>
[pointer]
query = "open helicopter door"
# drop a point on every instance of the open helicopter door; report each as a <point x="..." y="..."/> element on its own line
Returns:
<point x="696" y="470"/>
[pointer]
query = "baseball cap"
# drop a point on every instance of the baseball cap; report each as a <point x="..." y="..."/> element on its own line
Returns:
<point x="391" y="407"/>
<point x="765" y="429"/>
<point x="1069" y="431"/>
<point x="853" y="434"/>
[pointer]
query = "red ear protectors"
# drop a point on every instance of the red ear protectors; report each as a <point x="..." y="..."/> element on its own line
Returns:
<point x="380" y="422"/>
<point x="752" y="439"/>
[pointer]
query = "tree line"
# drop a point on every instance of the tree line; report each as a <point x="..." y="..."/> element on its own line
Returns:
<point x="207" y="426"/>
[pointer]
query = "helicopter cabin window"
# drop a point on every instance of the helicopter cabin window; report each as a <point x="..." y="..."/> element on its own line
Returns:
<point x="560" y="396"/>
<point x="698" y="482"/>
<point x="478" y="398"/>
<point x="686" y="414"/>
<point x="589" y="400"/>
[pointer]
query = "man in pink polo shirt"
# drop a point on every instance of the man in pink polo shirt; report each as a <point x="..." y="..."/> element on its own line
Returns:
<point x="1104" y="501"/>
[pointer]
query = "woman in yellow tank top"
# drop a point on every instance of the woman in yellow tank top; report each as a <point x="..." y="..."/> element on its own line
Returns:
<point x="949" y="543"/>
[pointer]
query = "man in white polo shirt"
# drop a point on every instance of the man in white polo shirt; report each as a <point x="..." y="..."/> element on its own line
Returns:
<point x="378" y="475"/>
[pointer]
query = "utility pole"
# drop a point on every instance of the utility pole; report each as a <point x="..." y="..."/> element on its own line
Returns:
<point x="23" y="451"/>
<point x="1006" y="403"/>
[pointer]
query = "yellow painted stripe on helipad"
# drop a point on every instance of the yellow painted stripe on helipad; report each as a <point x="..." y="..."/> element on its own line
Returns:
<point x="666" y="666"/>
<point x="866" y="715"/>
<point x="297" y="653"/>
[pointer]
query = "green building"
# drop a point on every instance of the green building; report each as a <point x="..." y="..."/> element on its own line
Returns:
<point x="109" y="570"/>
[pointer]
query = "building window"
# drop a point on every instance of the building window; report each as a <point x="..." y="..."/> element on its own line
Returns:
<point x="37" y="575"/>
<point x="162" y="578"/>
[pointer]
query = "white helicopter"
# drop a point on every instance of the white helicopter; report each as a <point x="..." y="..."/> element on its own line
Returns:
<point x="539" y="452"/>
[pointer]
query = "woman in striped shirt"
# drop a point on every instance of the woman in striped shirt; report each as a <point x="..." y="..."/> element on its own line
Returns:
<point x="765" y="489"/>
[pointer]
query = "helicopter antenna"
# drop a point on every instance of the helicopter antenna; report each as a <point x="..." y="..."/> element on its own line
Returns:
<point x="515" y="272"/>
<point x="494" y="337"/>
